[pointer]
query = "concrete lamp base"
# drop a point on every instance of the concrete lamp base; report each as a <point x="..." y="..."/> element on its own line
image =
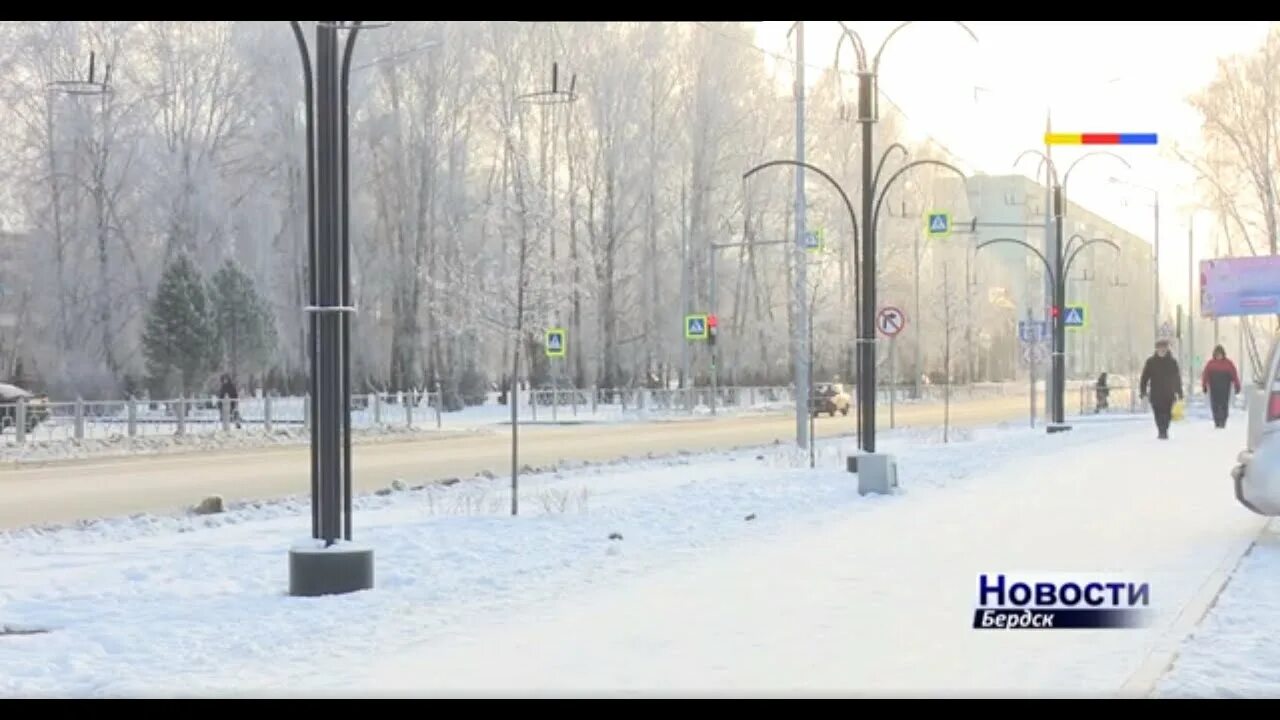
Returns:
<point x="877" y="472"/>
<point x="1054" y="428"/>
<point x="341" y="568"/>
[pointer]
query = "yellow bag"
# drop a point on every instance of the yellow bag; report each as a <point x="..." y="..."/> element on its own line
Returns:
<point x="1179" y="410"/>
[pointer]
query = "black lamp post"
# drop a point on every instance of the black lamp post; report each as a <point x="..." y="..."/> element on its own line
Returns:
<point x="868" y="115"/>
<point x="1058" y="271"/>
<point x="324" y="566"/>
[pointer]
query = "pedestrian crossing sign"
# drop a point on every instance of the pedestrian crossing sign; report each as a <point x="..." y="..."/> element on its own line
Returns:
<point x="556" y="344"/>
<point x="938" y="224"/>
<point x="695" y="327"/>
<point x="814" y="240"/>
<point x="1074" y="317"/>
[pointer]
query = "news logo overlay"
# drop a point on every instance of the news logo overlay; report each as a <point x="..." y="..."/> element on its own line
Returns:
<point x="1060" y="603"/>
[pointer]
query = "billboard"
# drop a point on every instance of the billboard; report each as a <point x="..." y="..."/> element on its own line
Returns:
<point x="1240" y="286"/>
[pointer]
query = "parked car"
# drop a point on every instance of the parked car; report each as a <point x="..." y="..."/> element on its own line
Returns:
<point x="1257" y="474"/>
<point x="829" y="398"/>
<point x="37" y="407"/>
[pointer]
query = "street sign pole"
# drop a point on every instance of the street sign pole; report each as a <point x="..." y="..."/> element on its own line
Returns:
<point x="893" y="379"/>
<point x="890" y="321"/>
<point x="1031" y="373"/>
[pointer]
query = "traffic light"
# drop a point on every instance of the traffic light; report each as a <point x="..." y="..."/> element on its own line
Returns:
<point x="712" y="329"/>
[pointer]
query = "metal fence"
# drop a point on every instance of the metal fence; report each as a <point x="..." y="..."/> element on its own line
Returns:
<point x="105" y="420"/>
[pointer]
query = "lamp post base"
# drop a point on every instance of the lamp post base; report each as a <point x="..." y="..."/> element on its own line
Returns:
<point x="316" y="570"/>
<point x="1054" y="428"/>
<point x="877" y="472"/>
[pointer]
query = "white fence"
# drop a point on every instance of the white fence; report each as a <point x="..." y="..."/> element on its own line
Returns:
<point x="102" y="420"/>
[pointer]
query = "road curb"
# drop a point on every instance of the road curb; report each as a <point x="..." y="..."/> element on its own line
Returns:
<point x="1158" y="661"/>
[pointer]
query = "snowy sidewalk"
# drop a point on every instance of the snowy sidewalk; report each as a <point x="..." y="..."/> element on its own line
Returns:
<point x="821" y="591"/>
<point x="880" y="601"/>
<point x="1234" y="653"/>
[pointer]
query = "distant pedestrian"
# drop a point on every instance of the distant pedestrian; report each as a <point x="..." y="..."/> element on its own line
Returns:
<point x="1218" y="378"/>
<point x="228" y="391"/>
<point x="1102" y="392"/>
<point x="1162" y="383"/>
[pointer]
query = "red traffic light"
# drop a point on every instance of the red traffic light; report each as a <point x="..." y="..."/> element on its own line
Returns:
<point x="711" y="321"/>
<point x="1054" y="311"/>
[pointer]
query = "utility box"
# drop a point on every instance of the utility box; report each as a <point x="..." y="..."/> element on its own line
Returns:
<point x="877" y="473"/>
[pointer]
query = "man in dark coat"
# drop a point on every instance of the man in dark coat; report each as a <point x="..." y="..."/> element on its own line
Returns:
<point x="1218" y="378"/>
<point x="1162" y="383"/>
<point x="228" y="392"/>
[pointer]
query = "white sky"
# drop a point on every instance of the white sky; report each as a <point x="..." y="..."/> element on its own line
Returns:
<point x="1094" y="76"/>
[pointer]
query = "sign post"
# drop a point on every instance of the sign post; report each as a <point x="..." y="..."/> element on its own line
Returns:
<point x="890" y="321"/>
<point x="555" y="347"/>
<point x="696" y="327"/>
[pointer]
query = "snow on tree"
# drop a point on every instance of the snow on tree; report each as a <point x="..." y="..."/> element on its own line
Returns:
<point x="244" y="325"/>
<point x="180" y="337"/>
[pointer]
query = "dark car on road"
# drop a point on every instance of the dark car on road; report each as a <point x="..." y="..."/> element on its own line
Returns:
<point x="37" y="407"/>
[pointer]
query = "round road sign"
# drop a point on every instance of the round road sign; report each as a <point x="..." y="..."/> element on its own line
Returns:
<point x="890" y="321"/>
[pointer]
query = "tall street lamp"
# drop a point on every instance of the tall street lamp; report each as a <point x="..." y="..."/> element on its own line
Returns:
<point x="1058" y="270"/>
<point x="1058" y="389"/>
<point x="325" y="567"/>
<point x="868" y="115"/>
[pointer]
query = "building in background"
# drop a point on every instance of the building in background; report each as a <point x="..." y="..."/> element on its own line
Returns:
<point x="1116" y="290"/>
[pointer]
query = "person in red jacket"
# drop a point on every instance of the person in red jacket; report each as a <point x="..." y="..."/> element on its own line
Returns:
<point x="1217" y="380"/>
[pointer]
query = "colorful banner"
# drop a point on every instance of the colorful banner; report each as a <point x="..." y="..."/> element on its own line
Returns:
<point x="1240" y="286"/>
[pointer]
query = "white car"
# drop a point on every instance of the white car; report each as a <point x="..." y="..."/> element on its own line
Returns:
<point x="1257" y="476"/>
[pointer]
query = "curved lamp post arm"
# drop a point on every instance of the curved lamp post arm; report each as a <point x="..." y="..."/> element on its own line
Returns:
<point x="1044" y="160"/>
<point x="1067" y="175"/>
<point x="1047" y="268"/>
<point x="1066" y="269"/>
<point x="875" y="183"/>
<point x="884" y="192"/>
<point x="856" y="41"/>
<point x="875" y="65"/>
<point x="853" y="217"/>
<point x="1066" y="249"/>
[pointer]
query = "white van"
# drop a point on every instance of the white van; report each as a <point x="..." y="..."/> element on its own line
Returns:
<point x="1257" y="476"/>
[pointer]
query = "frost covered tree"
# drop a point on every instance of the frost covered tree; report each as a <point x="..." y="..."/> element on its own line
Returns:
<point x="179" y="340"/>
<point x="244" y="325"/>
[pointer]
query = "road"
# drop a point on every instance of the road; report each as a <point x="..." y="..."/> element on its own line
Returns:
<point x="80" y="490"/>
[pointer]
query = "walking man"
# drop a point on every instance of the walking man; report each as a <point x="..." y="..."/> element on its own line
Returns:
<point x="1162" y="383"/>
<point x="1218" y="378"/>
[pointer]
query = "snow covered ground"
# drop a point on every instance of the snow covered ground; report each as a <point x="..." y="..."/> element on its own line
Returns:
<point x="743" y="572"/>
<point x="1235" y="653"/>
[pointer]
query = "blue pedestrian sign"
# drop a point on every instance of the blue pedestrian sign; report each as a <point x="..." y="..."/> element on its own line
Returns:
<point x="1032" y="331"/>
<point x="555" y="344"/>
<point x="938" y="224"/>
<point x="1073" y="317"/>
<point x="695" y="327"/>
<point x="813" y="240"/>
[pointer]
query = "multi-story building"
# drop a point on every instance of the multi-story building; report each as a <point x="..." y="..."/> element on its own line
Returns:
<point x="1116" y="290"/>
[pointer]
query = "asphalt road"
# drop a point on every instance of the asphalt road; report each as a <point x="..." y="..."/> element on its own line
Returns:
<point x="77" y="490"/>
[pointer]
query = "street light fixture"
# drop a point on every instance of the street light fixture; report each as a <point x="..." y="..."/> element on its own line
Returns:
<point x="325" y="568"/>
<point x="1058" y="389"/>
<point x="555" y="96"/>
<point x="1059" y="271"/>
<point x="868" y="115"/>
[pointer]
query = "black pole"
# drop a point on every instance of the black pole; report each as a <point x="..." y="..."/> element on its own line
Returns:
<point x="866" y="319"/>
<point x="327" y="368"/>
<point x="338" y="569"/>
<point x="1059" y="299"/>
<point x="346" y="282"/>
<point x="311" y="278"/>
